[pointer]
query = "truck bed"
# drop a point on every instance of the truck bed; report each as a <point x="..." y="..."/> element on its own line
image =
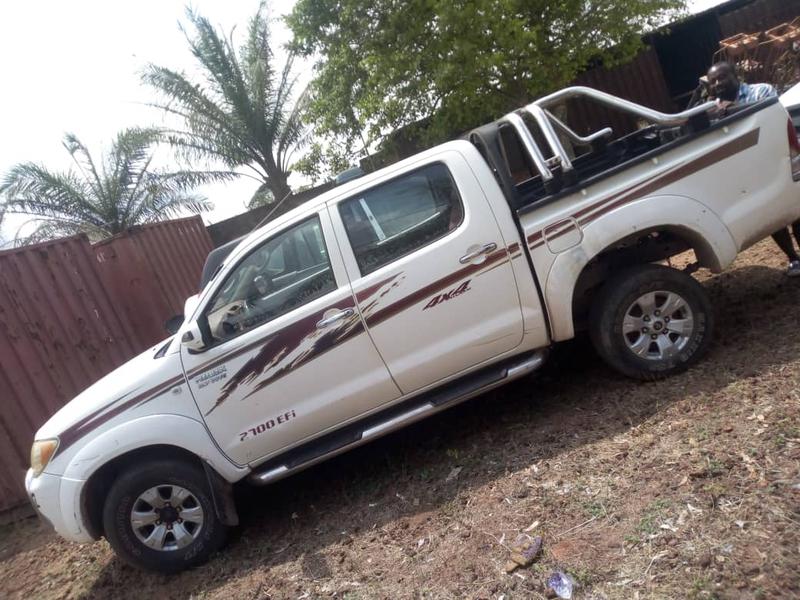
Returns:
<point x="524" y="187"/>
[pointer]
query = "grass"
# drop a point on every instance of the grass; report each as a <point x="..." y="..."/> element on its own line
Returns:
<point x="650" y="522"/>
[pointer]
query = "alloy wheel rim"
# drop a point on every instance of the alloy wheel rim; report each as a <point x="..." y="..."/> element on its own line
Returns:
<point x="658" y="325"/>
<point x="167" y="517"/>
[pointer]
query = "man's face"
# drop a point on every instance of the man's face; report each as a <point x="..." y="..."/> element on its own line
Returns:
<point x="723" y="83"/>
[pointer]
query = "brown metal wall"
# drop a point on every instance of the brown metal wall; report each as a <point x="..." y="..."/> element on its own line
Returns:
<point x="155" y="268"/>
<point x="758" y="16"/>
<point x="640" y="81"/>
<point x="70" y="313"/>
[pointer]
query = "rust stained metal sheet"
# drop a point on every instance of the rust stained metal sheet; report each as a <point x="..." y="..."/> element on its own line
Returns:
<point x="71" y="312"/>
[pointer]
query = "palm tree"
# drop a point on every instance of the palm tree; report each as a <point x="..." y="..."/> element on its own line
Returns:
<point x="102" y="201"/>
<point x="242" y="113"/>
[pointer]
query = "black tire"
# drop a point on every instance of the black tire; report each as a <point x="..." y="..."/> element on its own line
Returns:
<point x="620" y="293"/>
<point x="126" y="490"/>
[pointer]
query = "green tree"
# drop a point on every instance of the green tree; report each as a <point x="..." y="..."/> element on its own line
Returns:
<point x="105" y="199"/>
<point x="243" y="112"/>
<point x="446" y="65"/>
<point x="324" y="159"/>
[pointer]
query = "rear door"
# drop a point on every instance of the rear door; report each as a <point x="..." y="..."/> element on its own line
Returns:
<point x="290" y="356"/>
<point x="431" y="271"/>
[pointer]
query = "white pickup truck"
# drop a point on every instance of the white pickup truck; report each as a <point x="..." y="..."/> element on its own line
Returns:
<point x="406" y="291"/>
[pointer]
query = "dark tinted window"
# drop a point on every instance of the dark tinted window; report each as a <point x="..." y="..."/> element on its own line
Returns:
<point x="396" y="218"/>
<point x="283" y="273"/>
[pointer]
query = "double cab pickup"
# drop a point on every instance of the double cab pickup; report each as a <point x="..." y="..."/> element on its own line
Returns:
<point x="405" y="291"/>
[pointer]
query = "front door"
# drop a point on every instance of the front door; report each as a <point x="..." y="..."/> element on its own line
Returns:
<point x="290" y="357"/>
<point x="431" y="272"/>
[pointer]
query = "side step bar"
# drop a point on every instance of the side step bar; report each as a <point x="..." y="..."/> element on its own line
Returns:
<point x="395" y="417"/>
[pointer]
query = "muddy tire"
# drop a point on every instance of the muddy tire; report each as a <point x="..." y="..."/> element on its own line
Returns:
<point x="160" y="516"/>
<point x="650" y="322"/>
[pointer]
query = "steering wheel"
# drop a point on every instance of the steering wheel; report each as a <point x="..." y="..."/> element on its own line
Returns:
<point x="263" y="285"/>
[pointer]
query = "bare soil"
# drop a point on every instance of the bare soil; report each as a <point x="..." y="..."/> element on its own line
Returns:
<point x="684" y="488"/>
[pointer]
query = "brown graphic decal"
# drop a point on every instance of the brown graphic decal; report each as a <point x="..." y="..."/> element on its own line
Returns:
<point x="641" y="189"/>
<point x="376" y="317"/>
<point x="364" y="294"/>
<point x="291" y="347"/>
<point x="94" y="420"/>
<point x="439" y="298"/>
<point x="297" y="344"/>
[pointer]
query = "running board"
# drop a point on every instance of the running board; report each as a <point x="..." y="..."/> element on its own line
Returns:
<point x="395" y="417"/>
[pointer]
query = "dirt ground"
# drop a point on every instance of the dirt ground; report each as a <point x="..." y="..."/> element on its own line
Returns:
<point x="684" y="488"/>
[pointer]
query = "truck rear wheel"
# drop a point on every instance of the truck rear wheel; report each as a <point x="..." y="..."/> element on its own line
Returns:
<point x="160" y="516"/>
<point x="651" y="321"/>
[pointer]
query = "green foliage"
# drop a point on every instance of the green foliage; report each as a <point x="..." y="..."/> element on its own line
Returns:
<point x="243" y="112"/>
<point x="386" y="64"/>
<point x="101" y="200"/>
<point x="323" y="160"/>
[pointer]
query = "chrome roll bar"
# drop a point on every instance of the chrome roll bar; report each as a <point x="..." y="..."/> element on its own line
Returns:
<point x="579" y="140"/>
<point x="548" y="122"/>
<point x="550" y="135"/>
<point x="529" y="144"/>
<point x="623" y="105"/>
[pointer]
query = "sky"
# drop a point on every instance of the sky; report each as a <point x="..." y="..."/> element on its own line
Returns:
<point x="73" y="66"/>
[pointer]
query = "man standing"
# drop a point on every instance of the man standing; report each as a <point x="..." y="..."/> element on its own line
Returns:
<point x="727" y="90"/>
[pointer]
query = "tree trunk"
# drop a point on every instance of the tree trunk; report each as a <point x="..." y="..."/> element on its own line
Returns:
<point x="279" y="188"/>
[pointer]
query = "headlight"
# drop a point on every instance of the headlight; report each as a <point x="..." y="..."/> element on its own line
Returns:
<point x="41" y="453"/>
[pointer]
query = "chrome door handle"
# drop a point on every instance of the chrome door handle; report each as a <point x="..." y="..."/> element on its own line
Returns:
<point x="485" y="249"/>
<point x="342" y="314"/>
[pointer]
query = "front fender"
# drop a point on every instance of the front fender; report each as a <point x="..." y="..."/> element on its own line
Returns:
<point x="693" y="220"/>
<point x="151" y="430"/>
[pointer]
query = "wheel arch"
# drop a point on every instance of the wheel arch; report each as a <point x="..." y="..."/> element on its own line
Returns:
<point x="147" y="438"/>
<point x="612" y="242"/>
<point x="96" y="489"/>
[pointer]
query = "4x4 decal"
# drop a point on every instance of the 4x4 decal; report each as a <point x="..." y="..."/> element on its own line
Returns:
<point x="454" y="293"/>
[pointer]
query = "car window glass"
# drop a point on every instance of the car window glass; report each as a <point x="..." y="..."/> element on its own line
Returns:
<point x="283" y="273"/>
<point x="396" y="218"/>
<point x="276" y="264"/>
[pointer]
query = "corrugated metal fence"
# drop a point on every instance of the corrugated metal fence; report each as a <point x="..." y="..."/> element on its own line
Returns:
<point x="640" y="80"/>
<point x="757" y="16"/>
<point x="71" y="312"/>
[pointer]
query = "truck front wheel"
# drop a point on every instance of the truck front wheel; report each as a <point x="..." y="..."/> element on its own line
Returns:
<point x="160" y="516"/>
<point x="650" y="322"/>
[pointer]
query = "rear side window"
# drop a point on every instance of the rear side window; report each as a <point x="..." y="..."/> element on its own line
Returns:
<point x="394" y="219"/>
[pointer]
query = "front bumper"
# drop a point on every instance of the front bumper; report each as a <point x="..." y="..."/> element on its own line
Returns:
<point x="57" y="501"/>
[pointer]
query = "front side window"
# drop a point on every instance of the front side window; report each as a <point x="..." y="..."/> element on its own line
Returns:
<point x="396" y="218"/>
<point x="287" y="271"/>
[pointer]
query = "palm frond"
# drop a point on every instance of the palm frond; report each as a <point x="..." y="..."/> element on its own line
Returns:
<point x="31" y="189"/>
<point x="102" y="202"/>
<point x="83" y="160"/>
<point x="242" y="111"/>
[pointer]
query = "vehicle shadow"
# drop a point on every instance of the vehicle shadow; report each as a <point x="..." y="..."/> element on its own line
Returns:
<point x="573" y="402"/>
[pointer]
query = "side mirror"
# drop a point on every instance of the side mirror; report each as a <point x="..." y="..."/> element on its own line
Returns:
<point x="190" y="305"/>
<point x="192" y="337"/>
<point x="173" y="324"/>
